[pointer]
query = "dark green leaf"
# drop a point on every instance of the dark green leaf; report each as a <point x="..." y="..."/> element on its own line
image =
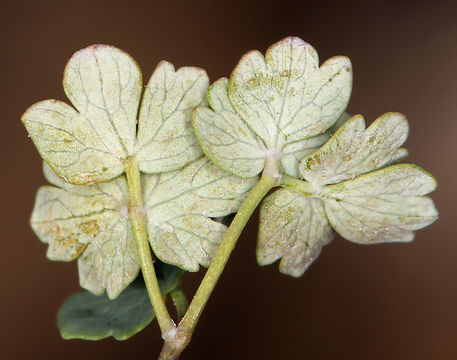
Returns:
<point x="90" y="317"/>
<point x="179" y="301"/>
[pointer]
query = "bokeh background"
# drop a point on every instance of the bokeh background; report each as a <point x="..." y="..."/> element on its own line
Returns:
<point x="396" y="301"/>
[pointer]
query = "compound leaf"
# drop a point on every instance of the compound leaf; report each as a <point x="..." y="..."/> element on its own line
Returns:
<point x="180" y="205"/>
<point x="165" y="137"/>
<point x="88" y="145"/>
<point x="364" y="201"/>
<point x="89" y="223"/>
<point x="92" y="143"/>
<point x="91" y="317"/>
<point x="294" y="228"/>
<point x="284" y="99"/>
<point x="369" y="202"/>
<point x="382" y="206"/>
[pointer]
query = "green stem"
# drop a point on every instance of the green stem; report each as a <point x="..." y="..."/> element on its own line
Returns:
<point x="176" y="344"/>
<point x="301" y="186"/>
<point x="138" y="220"/>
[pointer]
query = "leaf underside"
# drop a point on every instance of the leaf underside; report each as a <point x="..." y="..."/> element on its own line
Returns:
<point x="294" y="228"/>
<point x="180" y="205"/>
<point x="281" y="107"/>
<point x="91" y="144"/>
<point x="182" y="190"/>
<point x="354" y="150"/>
<point x="387" y="205"/>
<point x="277" y="106"/>
<point x="88" y="144"/>
<point x="166" y="140"/>
<point x="350" y="188"/>
<point x="371" y="203"/>
<point x="89" y="223"/>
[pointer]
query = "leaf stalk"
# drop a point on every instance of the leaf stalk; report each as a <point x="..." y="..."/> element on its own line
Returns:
<point x="138" y="220"/>
<point x="176" y="344"/>
<point x="301" y="186"/>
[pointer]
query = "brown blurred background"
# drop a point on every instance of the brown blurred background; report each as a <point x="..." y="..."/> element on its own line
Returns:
<point x="355" y="302"/>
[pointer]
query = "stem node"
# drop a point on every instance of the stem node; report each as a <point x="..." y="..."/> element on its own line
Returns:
<point x="175" y="342"/>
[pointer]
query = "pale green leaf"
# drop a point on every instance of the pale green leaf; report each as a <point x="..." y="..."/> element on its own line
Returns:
<point x="383" y="206"/>
<point x="294" y="228"/>
<point x="180" y="205"/>
<point x="277" y="107"/>
<point x="364" y="201"/>
<point x="89" y="223"/>
<point x="110" y="261"/>
<point x="91" y="317"/>
<point x="88" y="145"/>
<point x="340" y="122"/>
<point x="165" y="136"/>
<point x="400" y="154"/>
<point x="294" y="152"/>
<point x="354" y="150"/>
<point x="55" y="180"/>
<point x="286" y="96"/>
<point x="225" y="137"/>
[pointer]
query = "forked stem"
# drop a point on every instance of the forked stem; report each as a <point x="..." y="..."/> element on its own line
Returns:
<point x="138" y="220"/>
<point x="176" y="343"/>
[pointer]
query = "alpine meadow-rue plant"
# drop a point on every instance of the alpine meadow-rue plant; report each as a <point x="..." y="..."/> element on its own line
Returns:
<point x="134" y="171"/>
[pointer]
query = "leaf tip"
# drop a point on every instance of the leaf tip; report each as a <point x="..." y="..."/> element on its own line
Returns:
<point x="394" y="117"/>
<point x="247" y="56"/>
<point x="93" y="51"/>
<point x="295" y="40"/>
<point x="164" y="64"/>
<point x="433" y="180"/>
